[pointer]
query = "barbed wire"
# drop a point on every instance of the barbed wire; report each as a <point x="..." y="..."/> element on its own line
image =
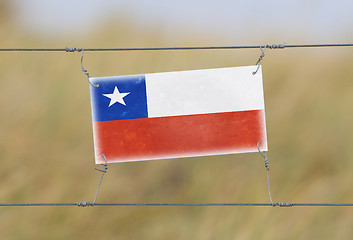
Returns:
<point x="271" y="46"/>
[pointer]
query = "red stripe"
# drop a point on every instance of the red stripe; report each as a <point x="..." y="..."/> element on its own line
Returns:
<point x="180" y="136"/>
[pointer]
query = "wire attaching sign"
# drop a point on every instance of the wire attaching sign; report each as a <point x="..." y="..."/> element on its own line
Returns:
<point x="178" y="114"/>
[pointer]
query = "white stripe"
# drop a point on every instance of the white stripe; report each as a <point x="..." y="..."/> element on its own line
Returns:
<point x="204" y="91"/>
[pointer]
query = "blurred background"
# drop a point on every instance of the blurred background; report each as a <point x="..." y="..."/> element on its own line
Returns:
<point x="46" y="139"/>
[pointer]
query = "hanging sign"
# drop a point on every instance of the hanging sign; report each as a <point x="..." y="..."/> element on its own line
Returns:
<point x="178" y="114"/>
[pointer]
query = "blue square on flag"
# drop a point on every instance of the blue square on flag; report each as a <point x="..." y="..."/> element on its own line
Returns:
<point x="119" y="98"/>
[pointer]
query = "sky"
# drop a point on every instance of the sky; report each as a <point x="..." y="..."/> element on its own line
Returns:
<point x="315" y="20"/>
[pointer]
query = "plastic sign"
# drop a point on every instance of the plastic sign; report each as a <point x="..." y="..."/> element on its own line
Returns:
<point x="178" y="114"/>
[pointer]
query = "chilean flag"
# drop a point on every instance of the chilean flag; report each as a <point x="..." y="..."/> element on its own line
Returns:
<point x="178" y="114"/>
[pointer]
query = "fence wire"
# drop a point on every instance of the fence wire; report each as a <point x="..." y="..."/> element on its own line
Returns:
<point x="271" y="46"/>
<point x="89" y="204"/>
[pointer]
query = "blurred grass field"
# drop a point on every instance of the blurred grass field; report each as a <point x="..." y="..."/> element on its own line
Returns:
<point x="47" y="146"/>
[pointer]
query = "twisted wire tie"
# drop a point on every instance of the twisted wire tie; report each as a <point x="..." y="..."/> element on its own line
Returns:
<point x="68" y="49"/>
<point x="263" y="154"/>
<point x="283" y="204"/>
<point x="105" y="164"/>
<point x="273" y="46"/>
<point x="276" y="46"/>
<point x="84" y="204"/>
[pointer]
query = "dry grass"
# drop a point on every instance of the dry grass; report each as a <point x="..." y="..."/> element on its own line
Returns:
<point x="47" y="149"/>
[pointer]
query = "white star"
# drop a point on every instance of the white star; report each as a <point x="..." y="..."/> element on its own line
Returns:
<point x="116" y="96"/>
